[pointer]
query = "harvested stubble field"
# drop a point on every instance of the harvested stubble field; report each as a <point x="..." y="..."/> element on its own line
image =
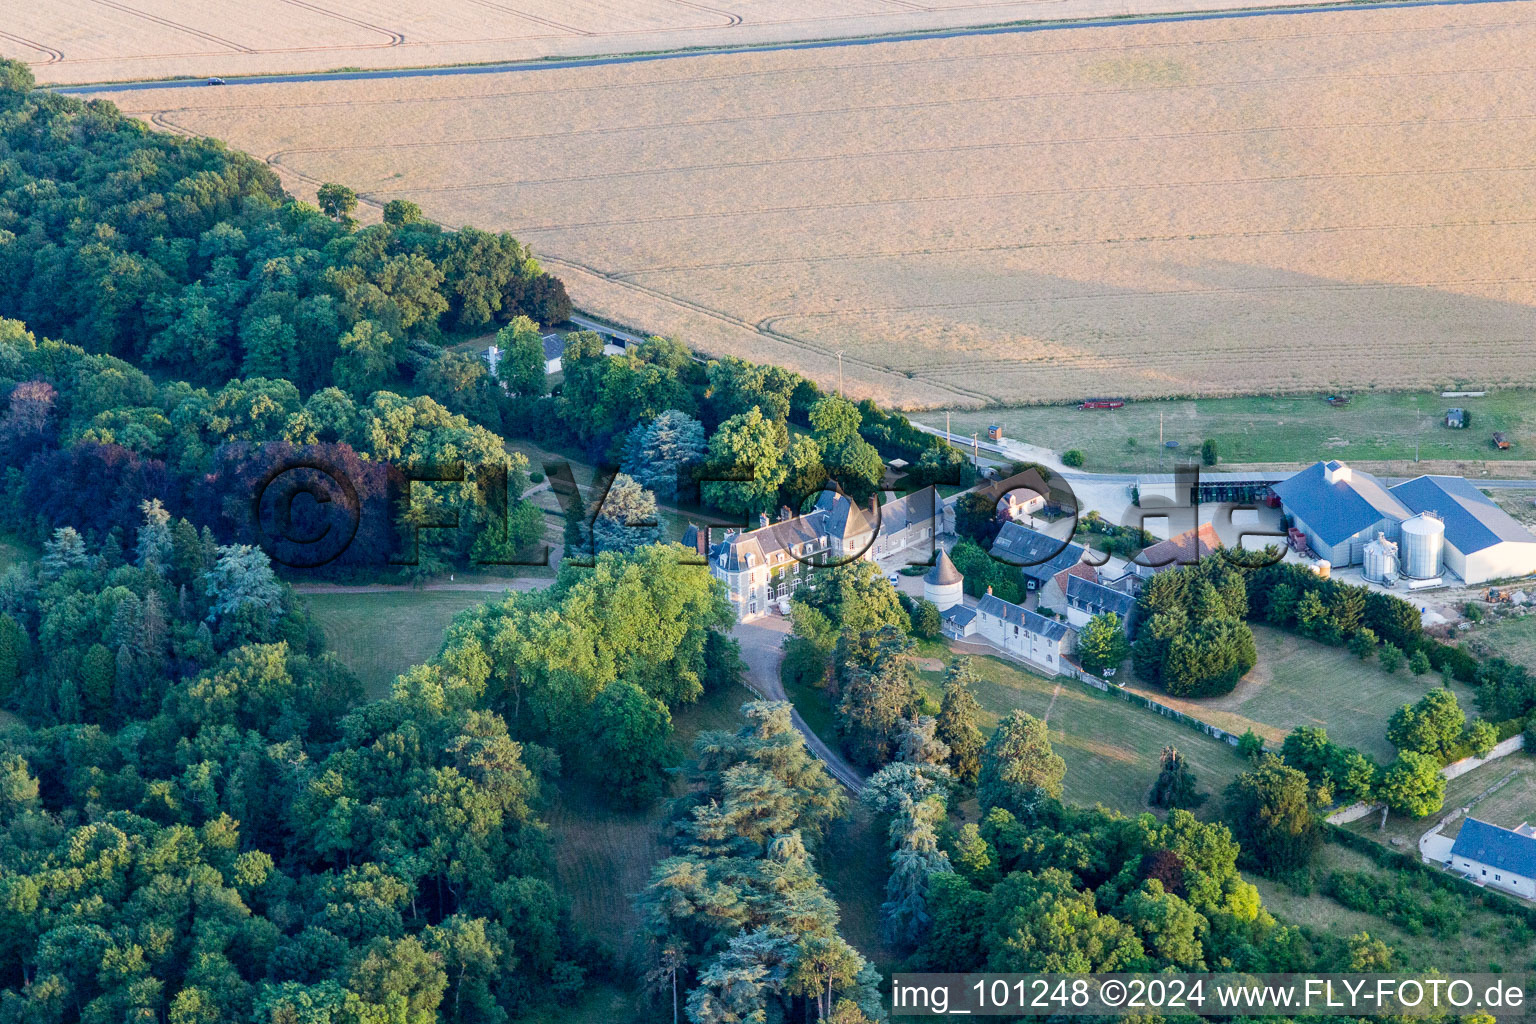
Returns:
<point x="72" y="41"/>
<point x="1334" y="200"/>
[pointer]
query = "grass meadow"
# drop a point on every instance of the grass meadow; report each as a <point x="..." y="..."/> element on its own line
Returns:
<point x="379" y="636"/>
<point x="1512" y="638"/>
<point x="13" y="552"/>
<point x="1375" y="427"/>
<point x="1488" y="941"/>
<point x="1299" y="682"/>
<point x="1111" y="747"/>
<point x="1510" y="804"/>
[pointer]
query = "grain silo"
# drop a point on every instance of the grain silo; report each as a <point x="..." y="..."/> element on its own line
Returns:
<point x="1423" y="547"/>
<point x="1380" y="560"/>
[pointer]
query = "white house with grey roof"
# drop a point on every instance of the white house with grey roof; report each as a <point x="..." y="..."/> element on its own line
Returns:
<point x="1086" y="599"/>
<point x="910" y="525"/>
<point x="1504" y="858"/>
<point x="554" y="353"/>
<point x="1024" y="634"/>
<point x="1482" y="541"/>
<point x="763" y="567"/>
<point x="1340" y="510"/>
<point x="1038" y="556"/>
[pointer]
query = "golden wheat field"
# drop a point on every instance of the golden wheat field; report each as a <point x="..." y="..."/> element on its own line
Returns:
<point x="73" y="41"/>
<point x="1331" y="200"/>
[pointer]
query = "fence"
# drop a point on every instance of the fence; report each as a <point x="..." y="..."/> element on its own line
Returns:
<point x="1072" y="669"/>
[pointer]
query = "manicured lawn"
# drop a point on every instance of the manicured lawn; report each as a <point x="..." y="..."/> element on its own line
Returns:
<point x="1377" y="426"/>
<point x="1511" y="805"/>
<point x="379" y="636"/>
<point x="855" y="863"/>
<point x="1299" y="682"/>
<point x="675" y="518"/>
<point x="1111" y="747"/>
<point x="1488" y="941"/>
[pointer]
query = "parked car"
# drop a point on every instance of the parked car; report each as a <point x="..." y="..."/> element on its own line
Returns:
<point x="215" y="81"/>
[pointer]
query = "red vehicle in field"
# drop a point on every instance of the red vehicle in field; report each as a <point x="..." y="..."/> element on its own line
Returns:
<point x="1102" y="403"/>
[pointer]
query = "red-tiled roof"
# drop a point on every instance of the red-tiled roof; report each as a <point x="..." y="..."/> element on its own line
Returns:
<point x="1081" y="569"/>
<point x="1184" y="549"/>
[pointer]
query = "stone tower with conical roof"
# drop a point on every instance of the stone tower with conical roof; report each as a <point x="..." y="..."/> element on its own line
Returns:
<point x="943" y="584"/>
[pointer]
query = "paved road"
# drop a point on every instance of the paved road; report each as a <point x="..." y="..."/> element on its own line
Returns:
<point x="819" y="44"/>
<point x="761" y="649"/>
<point x="628" y="337"/>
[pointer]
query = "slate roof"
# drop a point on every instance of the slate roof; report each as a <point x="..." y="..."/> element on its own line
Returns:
<point x="943" y="571"/>
<point x="771" y="544"/>
<point x="959" y="614"/>
<point x="844" y="518"/>
<point x="1015" y="615"/>
<point x="1472" y="520"/>
<point x="1037" y="555"/>
<point x="917" y="508"/>
<point x="554" y="347"/>
<point x="1096" y="599"/>
<point x="1496" y="847"/>
<point x="1341" y="509"/>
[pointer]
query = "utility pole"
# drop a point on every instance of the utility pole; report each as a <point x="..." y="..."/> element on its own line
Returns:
<point x="840" y="372"/>
<point x="947" y="436"/>
<point x="1159" y="427"/>
<point x="976" y="450"/>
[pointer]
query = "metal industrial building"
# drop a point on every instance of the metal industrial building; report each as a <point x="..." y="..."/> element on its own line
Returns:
<point x="1439" y="523"/>
<point x="1341" y="510"/>
<point x="1482" y="542"/>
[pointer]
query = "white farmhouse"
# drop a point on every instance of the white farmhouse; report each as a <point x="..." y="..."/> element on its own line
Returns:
<point x="1026" y="635"/>
<point x="1500" y="857"/>
<point x="554" y="352"/>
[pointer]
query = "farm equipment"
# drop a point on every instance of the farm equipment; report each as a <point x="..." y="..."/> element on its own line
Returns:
<point x="1338" y="399"/>
<point x="1298" y="541"/>
<point x="1102" y="403"/>
<point x="1499" y="596"/>
<point x="1500" y="441"/>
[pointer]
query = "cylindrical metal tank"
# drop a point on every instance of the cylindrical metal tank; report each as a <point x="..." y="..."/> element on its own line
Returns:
<point x="1380" y="560"/>
<point x="1423" y="546"/>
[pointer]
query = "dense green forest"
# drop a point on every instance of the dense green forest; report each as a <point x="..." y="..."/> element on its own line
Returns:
<point x="199" y="823"/>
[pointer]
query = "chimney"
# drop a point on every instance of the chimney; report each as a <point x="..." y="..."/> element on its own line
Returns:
<point x="989" y="590"/>
<point x="762" y="519"/>
<point x="874" y="505"/>
<point x="785" y="514"/>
